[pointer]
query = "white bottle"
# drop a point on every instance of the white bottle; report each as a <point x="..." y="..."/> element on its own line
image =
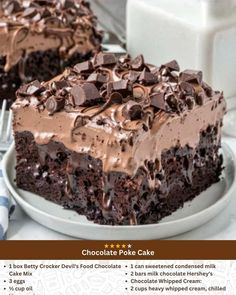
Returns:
<point x="199" y="34"/>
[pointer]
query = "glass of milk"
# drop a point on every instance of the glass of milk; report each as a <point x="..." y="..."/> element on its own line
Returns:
<point x="199" y="34"/>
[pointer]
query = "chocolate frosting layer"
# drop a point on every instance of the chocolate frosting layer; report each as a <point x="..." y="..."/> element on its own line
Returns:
<point x="27" y="26"/>
<point x="123" y="111"/>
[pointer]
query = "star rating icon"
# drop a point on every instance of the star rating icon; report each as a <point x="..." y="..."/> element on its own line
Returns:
<point x="117" y="246"/>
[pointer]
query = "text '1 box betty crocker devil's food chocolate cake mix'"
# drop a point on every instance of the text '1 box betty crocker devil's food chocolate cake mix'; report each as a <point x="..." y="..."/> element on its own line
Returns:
<point x="118" y="140"/>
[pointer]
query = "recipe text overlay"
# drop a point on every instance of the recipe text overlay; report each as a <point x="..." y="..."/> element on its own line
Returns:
<point x="101" y="277"/>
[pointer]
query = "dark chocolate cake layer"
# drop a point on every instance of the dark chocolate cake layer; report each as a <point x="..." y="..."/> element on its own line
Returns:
<point x="119" y="141"/>
<point x="40" y="38"/>
<point x="48" y="169"/>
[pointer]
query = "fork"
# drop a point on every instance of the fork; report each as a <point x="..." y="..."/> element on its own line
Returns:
<point x="5" y="128"/>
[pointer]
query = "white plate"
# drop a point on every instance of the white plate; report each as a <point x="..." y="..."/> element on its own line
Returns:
<point x="229" y="127"/>
<point x="195" y="213"/>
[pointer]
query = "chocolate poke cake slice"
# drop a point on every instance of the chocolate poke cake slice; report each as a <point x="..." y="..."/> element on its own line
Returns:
<point x="119" y="141"/>
<point x="40" y="38"/>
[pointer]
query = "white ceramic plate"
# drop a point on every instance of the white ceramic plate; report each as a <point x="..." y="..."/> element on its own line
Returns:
<point x="229" y="127"/>
<point x="195" y="213"/>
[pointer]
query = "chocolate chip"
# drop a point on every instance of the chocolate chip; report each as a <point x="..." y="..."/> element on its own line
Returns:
<point x="54" y="105"/>
<point x="132" y="110"/>
<point x="131" y="140"/>
<point x="30" y="12"/>
<point x="45" y="13"/>
<point x="190" y="102"/>
<point x="57" y="85"/>
<point x="12" y="7"/>
<point x="191" y="76"/>
<point x="101" y="121"/>
<point x="147" y="78"/>
<point x="116" y="97"/>
<point x="104" y="59"/>
<point x="145" y="127"/>
<point x="83" y="67"/>
<point x="157" y="100"/>
<point x="37" y="17"/>
<point x="124" y="87"/>
<point x="137" y="64"/>
<point x="172" y="101"/>
<point x="34" y="88"/>
<point x="124" y="58"/>
<point x="97" y="78"/>
<point x="208" y="89"/>
<point x="138" y="93"/>
<point x="85" y="95"/>
<point x="123" y="144"/>
<point x="69" y="4"/>
<point x="133" y="76"/>
<point x="171" y="66"/>
<point x="200" y="98"/>
<point x="187" y="88"/>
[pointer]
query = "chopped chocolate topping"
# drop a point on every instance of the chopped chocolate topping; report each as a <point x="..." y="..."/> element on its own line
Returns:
<point x="138" y="93"/>
<point x="69" y="4"/>
<point x="104" y="59"/>
<point x="132" y="111"/>
<point x="209" y="91"/>
<point x="133" y="76"/>
<point x="54" y="105"/>
<point x="200" y="98"/>
<point x="104" y="81"/>
<point x="84" y="67"/>
<point x="138" y="63"/>
<point x="11" y="7"/>
<point x="191" y="76"/>
<point x="116" y="97"/>
<point x="172" y="102"/>
<point x="187" y="88"/>
<point x="30" y="12"/>
<point x="97" y="78"/>
<point x="190" y="102"/>
<point x="171" y="66"/>
<point x="34" y="88"/>
<point x="124" y="87"/>
<point x="56" y="85"/>
<point x="147" y="78"/>
<point x="85" y="95"/>
<point x="158" y="101"/>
